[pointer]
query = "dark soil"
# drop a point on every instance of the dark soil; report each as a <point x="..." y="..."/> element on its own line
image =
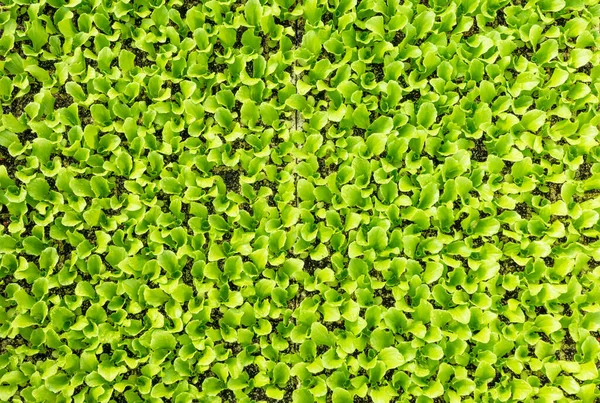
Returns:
<point x="14" y="342"/>
<point x="311" y="265"/>
<point x="480" y="152"/>
<point x="231" y="178"/>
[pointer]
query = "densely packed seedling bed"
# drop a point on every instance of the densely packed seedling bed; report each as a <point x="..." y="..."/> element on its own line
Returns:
<point x="299" y="201"/>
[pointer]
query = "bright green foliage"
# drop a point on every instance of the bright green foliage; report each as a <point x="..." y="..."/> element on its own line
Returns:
<point x="313" y="201"/>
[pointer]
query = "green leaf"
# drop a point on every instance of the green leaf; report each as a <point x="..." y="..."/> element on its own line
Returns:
<point x="341" y="396"/>
<point x="81" y="188"/>
<point x="391" y="357"/>
<point x="360" y="117"/>
<point x="116" y="255"/>
<point x="155" y="297"/>
<point x="552" y="5"/>
<point x="212" y="386"/>
<point x="37" y="34"/>
<point x="334" y="46"/>
<point x="558" y="78"/>
<point x="320" y="335"/>
<point x="352" y="195"/>
<point x="377" y="238"/>
<point x="547" y="51"/>
<point x="108" y="371"/>
<point x="253" y="12"/>
<point x="57" y="383"/>
<point x="101" y="114"/>
<point x="533" y="120"/>
<point x="250" y="114"/>
<point x="357" y="267"/>
<point x="433" y="271"/>
<point x="281" y="374"/>
<point x="33" y="245"/>
<point x="376" y="143"/>
<point x="162" y="339"/>
<point x="423" y="22"/>
<point x="126" y="60"/>
<point x="381" y="339"/>
<point x="382" y="125"/>
<point x="427" y="114"/>
<point x="124" y="163"/>
<point x="108" y="142"/>
<point x="105" y="58"/>
<point x="98" y="185"/>
<point x="547" y="323"/>
<point x="38" y="189"/>
<point x="591" y="321"/>
<point x="268" y="114"/>
<point x="48" y="258"/>
<point x="170" y="185"/>
<point x="61" y="318"/>
<point x="168" y="261"/>
<point x="429" y="195"/>
<point x="376" y="25"/>
<point x="223" y="117"/>
<point x="218" y="223"/>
